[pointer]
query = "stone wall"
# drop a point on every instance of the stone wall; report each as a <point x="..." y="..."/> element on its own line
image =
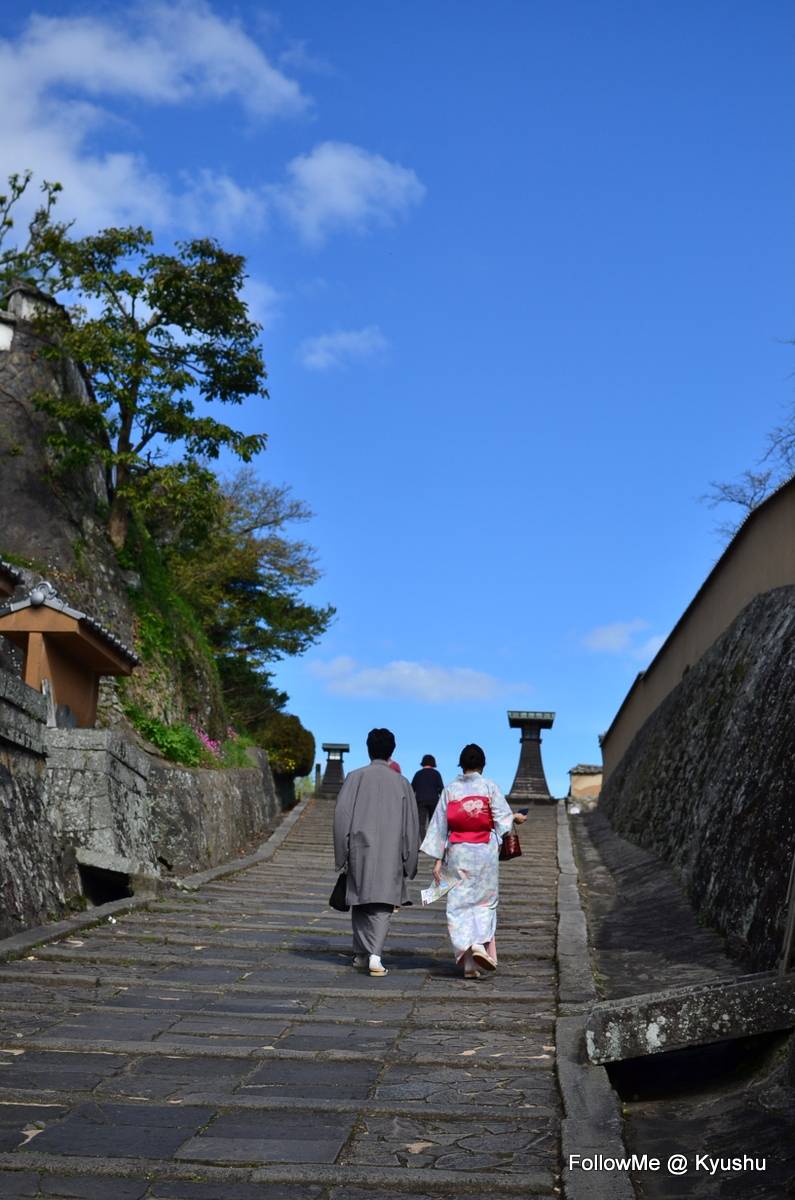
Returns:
<point x="200" y="817"/>
<point x="99" y="800"/>
<point x="34" y="871"/>
<point x="708" y="782"/>
<point x="55" y="520"/>
<point x="93" y="798"/>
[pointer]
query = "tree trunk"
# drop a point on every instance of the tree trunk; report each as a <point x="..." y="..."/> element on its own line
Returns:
<point x="118" y="521"/>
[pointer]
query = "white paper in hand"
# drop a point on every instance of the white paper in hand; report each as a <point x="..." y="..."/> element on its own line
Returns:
<point x="437" y="890"/>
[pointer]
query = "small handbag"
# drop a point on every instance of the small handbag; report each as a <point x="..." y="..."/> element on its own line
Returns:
<point x="337" y="897"/>
<point x="509" y="846"/>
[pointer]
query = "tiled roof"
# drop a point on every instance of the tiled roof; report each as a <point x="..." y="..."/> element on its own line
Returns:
<point x="586" y="769"/>
<point x="43" y="595"/>
<point x="11" y="573"/>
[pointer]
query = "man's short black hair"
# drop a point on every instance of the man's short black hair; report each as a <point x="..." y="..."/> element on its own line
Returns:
<point x="380" y="743"/>
<point x="472" y="758"/>
<point x="428" y="761"/>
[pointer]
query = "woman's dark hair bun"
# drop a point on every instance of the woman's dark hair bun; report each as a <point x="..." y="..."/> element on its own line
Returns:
<point x="472" y="758"/>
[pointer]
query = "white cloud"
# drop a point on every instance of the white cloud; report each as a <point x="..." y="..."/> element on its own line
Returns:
<point x="646" y="651"/>
<point x="401" y="680"/>
<point x="60" y="79"/>
<point x="297" y="57"/>
<point x="340" y="186"/>
<point x="330" y="350"/>
<point x="263" y="301"/>
<point x="218" y="202"/>
<point x="53" y="77"/>
<point x="615" y="638"/>
<point x="621" y="637"/>
<point x="164" y="53"/>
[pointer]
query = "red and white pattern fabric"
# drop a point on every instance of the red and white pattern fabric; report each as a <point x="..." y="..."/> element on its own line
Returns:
<point x="458" y="833"/>
<point x="469" y="819"/>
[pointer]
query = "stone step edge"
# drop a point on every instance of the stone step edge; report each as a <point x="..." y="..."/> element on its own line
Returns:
<point x="402" y="1179"/>
<point x="408" y="1021"/>
<point x="157" y="919"/>
<point x="475" y="990"/>
<point x="15" y="945"/>
<point x="224" y="1103"/>
<point x="174" y="936"/>
<point x="266" y="1053"/>
<point x="68" y="955"/>
<point x="592" y="1110"/>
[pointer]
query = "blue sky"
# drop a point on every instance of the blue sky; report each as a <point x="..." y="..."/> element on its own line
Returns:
<point x="525" y="271"/>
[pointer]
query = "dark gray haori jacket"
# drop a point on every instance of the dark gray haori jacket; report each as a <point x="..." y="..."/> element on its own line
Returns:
<point x="376" y="834"/>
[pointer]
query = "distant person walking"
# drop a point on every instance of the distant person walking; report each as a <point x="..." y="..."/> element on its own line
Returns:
<point x="427" y="784"/>
<point x="464" y="836"/>
<point x="376" y="842"/>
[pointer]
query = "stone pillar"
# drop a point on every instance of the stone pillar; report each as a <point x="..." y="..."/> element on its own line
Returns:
<point x="530" y="785"/>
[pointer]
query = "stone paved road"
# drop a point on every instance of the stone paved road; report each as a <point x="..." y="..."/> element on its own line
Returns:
<point x="219" y="1046"/>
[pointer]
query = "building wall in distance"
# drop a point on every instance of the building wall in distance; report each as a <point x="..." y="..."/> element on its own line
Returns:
<point x="585" y="787"/>
<point x="760" y="557"/>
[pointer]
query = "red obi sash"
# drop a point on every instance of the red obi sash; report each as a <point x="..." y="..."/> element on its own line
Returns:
<point x="469" y="819"/>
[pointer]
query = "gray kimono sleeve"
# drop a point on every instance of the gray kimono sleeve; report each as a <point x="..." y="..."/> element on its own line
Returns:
<point x="411" y="834"/>
<point x="343" y="817"/>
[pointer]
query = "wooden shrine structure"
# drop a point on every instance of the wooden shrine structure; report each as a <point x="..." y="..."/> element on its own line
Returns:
<point x="65" y="652"/>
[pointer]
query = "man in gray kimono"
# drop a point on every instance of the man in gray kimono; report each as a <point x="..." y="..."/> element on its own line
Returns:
<point x="376" y="840"/>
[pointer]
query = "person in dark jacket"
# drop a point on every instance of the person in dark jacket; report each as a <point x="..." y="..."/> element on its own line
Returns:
<point x="427" y="785"/>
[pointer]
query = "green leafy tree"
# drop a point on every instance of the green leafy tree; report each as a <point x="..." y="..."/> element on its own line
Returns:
<point x="290" y="747"/>
<point x="162" y="338"/>
<point x="231" y="559"/>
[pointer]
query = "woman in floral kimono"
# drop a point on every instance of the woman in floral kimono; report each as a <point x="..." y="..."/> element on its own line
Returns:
<point x="464" y="834"/>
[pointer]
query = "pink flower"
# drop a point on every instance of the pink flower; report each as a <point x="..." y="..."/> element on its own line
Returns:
<point x="209" y="743"/>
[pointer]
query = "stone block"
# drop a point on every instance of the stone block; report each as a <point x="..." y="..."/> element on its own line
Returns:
<point x="97" y="782"/>
<point x="23" y="714"/>
<point x="690" y="1016"/>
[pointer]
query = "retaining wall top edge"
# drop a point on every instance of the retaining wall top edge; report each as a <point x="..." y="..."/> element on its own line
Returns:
<point x="25" y="698"/>
<point x="99" y="741"/>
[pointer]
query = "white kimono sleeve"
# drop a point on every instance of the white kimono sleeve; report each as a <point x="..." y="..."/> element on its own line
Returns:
<point x="501" y="811"/>
<point x="435" y="841"/>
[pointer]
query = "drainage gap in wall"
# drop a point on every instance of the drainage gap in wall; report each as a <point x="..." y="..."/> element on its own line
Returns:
<point x="99" y="886"/>
<point x="693" y="1069"/>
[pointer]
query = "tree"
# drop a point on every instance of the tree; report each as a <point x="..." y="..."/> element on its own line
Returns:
<point x="774" y="468"/>
<point x="230" y="558"/>
<point x="290" y="747"/>
<point x="160" y="336"/>
<point x="747" y="493"/>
